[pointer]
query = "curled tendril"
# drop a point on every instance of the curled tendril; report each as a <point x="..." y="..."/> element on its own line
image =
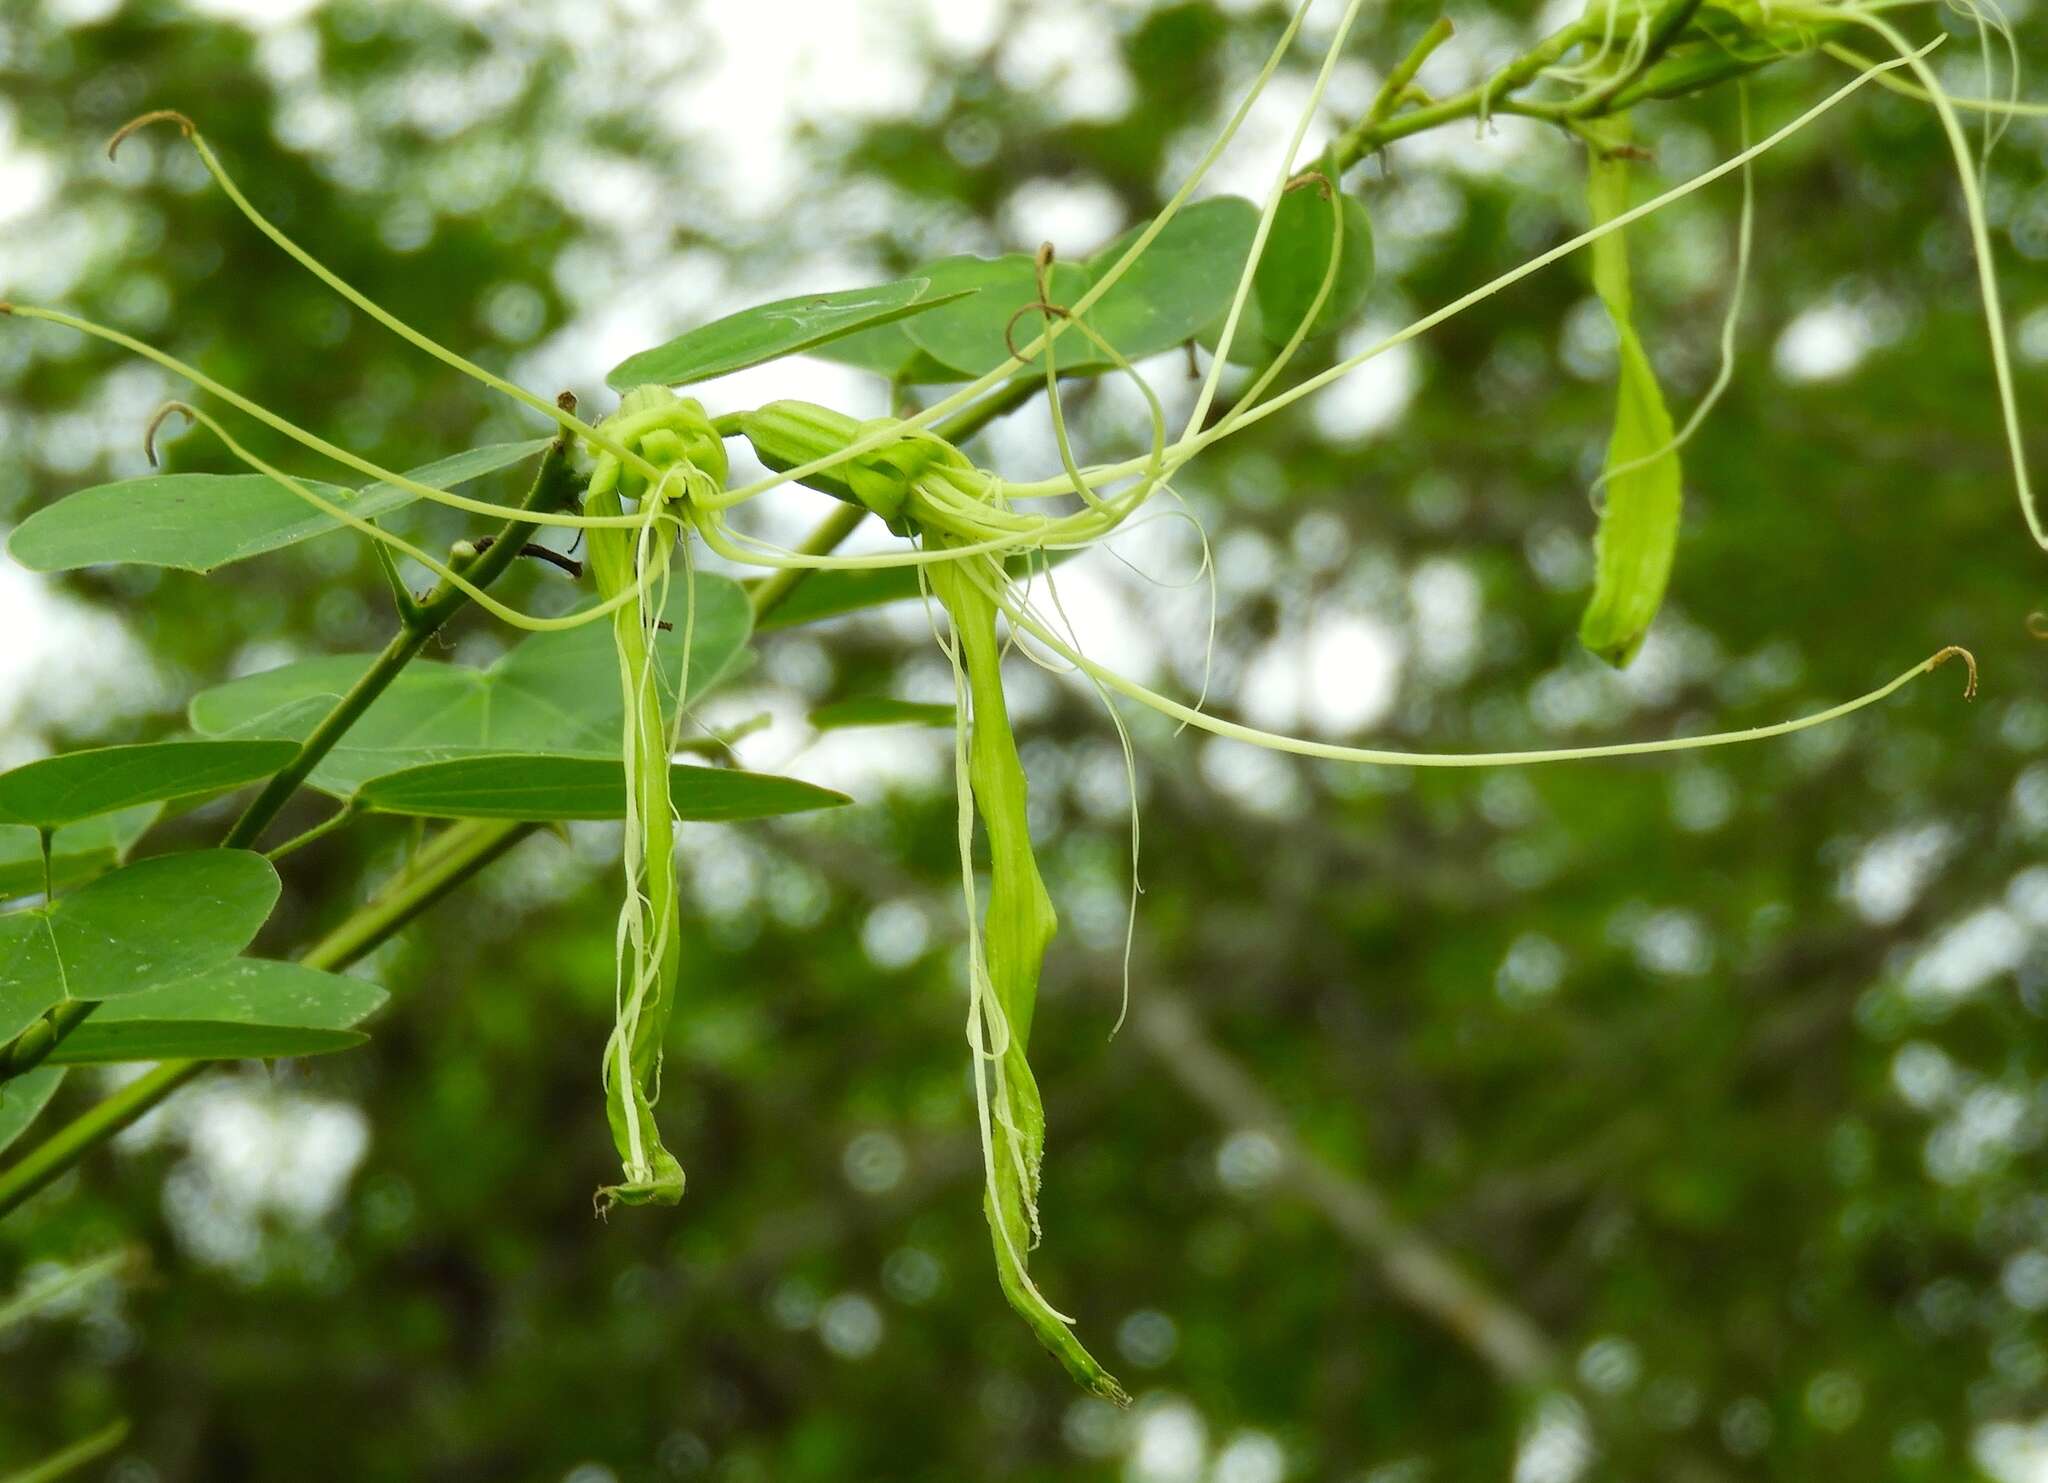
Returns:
<point x="156" y="422"/>
<point x="142" y="121"/>
<point x="1036" y="306"/>
<point x="1957" y="651"/>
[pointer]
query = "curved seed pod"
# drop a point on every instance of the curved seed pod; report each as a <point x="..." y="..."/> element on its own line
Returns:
<point x="1018" y="926"/>
<point x="1638" y="534"/>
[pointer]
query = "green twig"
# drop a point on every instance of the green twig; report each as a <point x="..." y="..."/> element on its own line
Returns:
<point x="1495" y="95"/>
<point x="76" y="1456"/>
<point x="31" y="1301"/>
<point x="1396" y="86"/>
<point x="328" y="825"/>
<point x="553" y="486"/>
<point x="770" y="592"/>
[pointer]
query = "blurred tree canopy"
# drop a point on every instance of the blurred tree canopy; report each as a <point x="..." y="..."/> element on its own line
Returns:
<point x="1678" y="1118"/>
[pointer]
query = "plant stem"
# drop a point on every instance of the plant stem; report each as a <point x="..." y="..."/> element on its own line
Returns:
<point x="1491" y="96"/>
<point x="454" y="856"/>
<point x="341" y="816"/>
<point x="32" y="1046"/>
<point x="1390" y="92"/>
<point x="771" y="591"/>
<point x="554" y="485"/>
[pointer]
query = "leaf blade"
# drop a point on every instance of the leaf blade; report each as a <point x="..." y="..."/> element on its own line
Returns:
<point x="148" y="924"/>
<point x="81" y="785"/>
<point x="546" y="788"/>
<point x="202" y="522"/>
<point x="770" y="331"/>
<point x="245" y="1009"/>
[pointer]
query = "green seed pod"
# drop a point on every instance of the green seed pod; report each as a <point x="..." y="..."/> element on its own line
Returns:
<point x="789" y="434"/>
<point x="1637" y="540"/>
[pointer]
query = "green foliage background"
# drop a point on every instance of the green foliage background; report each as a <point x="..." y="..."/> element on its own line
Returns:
<point x="1723" y="1078"/>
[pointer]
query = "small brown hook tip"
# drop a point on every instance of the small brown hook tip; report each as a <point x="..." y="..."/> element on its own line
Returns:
<point x="161" y="115"/>
<point x="566" y="400"/>
<point x="1957" y="651"/>
<point x="156" y="424"/>
<point x="1041" y="306"/>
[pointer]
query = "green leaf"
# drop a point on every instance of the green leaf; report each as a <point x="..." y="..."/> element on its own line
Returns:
<point x="200" y="522"/>
<point x="1182" y="282"/>
<point x="554" y="787"/>
<point x="968" y="335"/>
<point x="881" y="710"/>
<point x="553" y="693"/>
<point x="145" y="925"/>
<point x="1638" y="536"/>
<point x="80" y="785"/>
<point x="78" y="852"/>
<point x="770" y="331"/>
<point x="23" y="1098"/>
<point x="247" y="1008"/>
<point x="1298" y="255"/>
<point x="890" y="353"/>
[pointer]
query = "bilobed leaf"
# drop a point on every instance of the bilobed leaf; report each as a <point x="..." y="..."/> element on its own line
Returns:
<point x="200" y="522"/>
<point x="23" y="1098"/>
<point x="553" y="787"/>
<point x="770" y="331"/>
<point x="145" y="925"/>
<point x="1638" y="535"/>
<point x="247" y="1008"/>
<point x="554" y="693"/>
<point x="78" y="852"/>
<point x="80" y="785"/>
<point x="968" y="335"/>
<point x="881" y="710"/>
